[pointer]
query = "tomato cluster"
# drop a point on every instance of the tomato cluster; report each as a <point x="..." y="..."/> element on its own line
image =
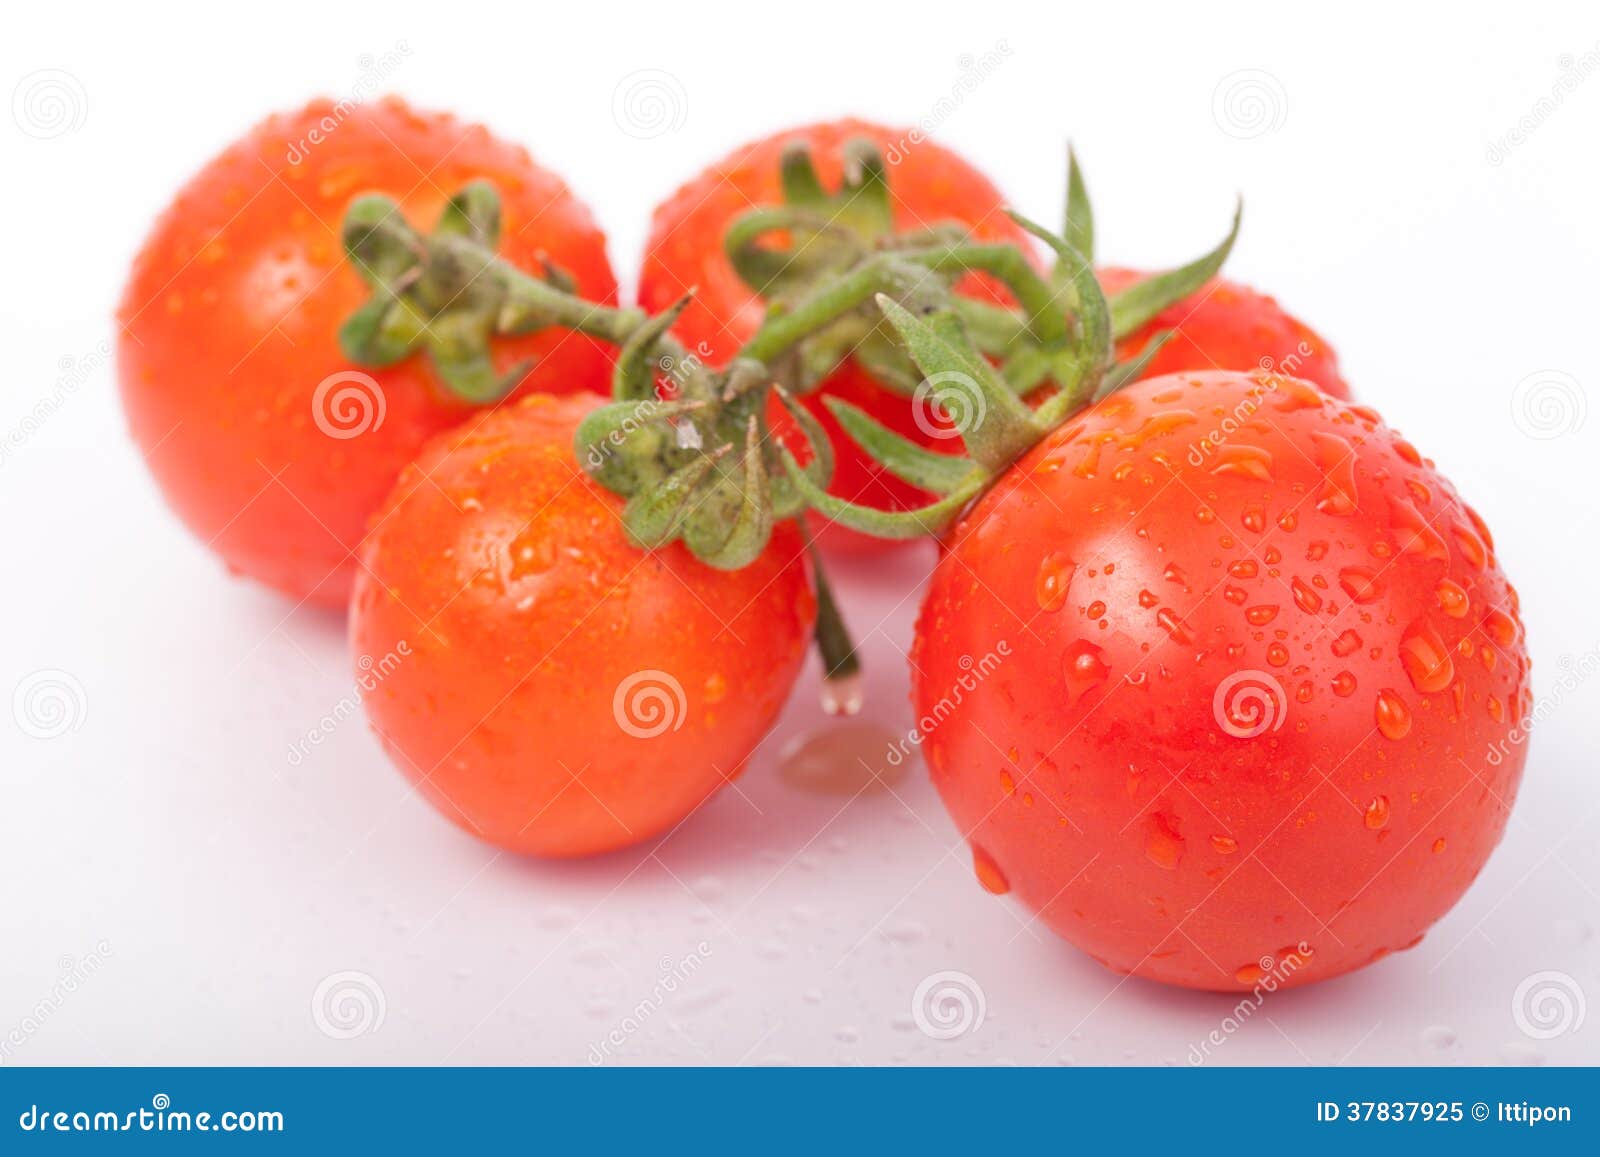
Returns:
<point x="1210" y="659"/>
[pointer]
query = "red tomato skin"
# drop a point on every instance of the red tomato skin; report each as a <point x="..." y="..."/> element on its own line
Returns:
<point x="229" y="322"/>
<point x="1131" y="569"/>
<point x="929" y="185"/>
<point x="524" y="608"/>
<point x="1228" y="326"/>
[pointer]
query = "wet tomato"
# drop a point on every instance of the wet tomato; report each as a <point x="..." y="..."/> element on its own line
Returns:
<point x="1223" y="679"/>
<point x="267" y="442"/>
<point x="554" y="689"/>
<point x="928" y="184"/>
<point x="1228" y="326"/>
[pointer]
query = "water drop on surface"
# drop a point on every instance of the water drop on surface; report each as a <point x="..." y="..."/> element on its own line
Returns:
<point x="843" y="759"/>
<point x="1377" y="813"/>
<point x="1437" y="1036"/>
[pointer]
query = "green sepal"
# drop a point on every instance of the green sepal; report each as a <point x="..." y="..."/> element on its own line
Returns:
<point x="786" y="500"/>
<point x="473" y="213"/>
<point x="1138" y="304"/>
<point x="639" y="362"/>
<point x="994" y="424"/>
<point x="382" y="332"/>
<point x="936" y="473"/>
<point x="655" y="516"/>
<point x="896" y="524"/>
<point x="1078" y="225"/>
<point x="387" y="253"/>
<point x="1079" y="368"/>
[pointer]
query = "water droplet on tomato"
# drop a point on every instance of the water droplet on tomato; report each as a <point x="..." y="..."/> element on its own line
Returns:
<point x="1083" y="665"/>
<point x="989" y="873"/>
<point x="1163" y="844"/>
<point x="1377" y="815"/>
<point x="1344" y="684"/>
<point x="1392" y="714"/>
<point x="1243" y="568"/>
<point x="1054" y="578"/>
<point x="1452" y="598"/>
<point x="1361" y="584"/>
<point x="1438" y="845"/>
<point x="1501" y="627"/>
<point x="1425" y="657"/>
<point x="1305" y="598"/>
<point x="1347" y="643"/>
<point x="1224" y="845"/>
<point x="1260" y="616"/>
<point x="1169" y="622"/>
<point x="1338" y="464"/>
<point x="1250" y="461"/>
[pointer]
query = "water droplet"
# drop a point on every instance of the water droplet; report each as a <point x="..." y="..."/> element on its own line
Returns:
<point x="1254" y="519"/>
<point x="1344" y="684"/>
<point x="1438" y="845"/>
<point x="1250" y="461"/>
<point x="1224" y="845"/>
<point x="1502" y="627"/>
<point x="1083" y="665"/>
<point x="1425" y="657"/>
<point x="1361" y="584"/>
<point x="1347" y="643"/>
<point x="1437" y="1036"/>
<point x="1415" y="534"/>
<point x="1250" y="973"/>
<point x="1260" y="616"/>
<point x="843" y="759"/>
<point x="1337" y="461"/>
<point x="1378" y="812"/>
<point x="1244" y="568"/>
<point x="1305" y="598"/>
<point x="1168" y="620"/>
<point x="1051" y="583"/>
<point x="1392" y="714"/>
<point x="1163" y="844"/>
<point x="1452" y="599"/>
<point x="989" y="873"/>
<point x="1470" y="545"/>
<point x="843" y="694"/>
<point x="1007" y="784"/>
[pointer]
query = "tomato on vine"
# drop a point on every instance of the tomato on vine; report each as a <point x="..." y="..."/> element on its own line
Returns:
<point x="267" y="439"/>
<point x="564" y="692"/>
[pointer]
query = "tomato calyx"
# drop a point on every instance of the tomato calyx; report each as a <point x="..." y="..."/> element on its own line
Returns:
<point x="981" y="400"/>
<point x="448" y="294"/>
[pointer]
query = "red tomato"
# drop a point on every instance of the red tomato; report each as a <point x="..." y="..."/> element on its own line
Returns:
<point x="1228" y="326"/>
<point x="270" y="446"/>
<point x="929" y="185"/>
<point x="560" y="691"/>
<point x="1222" y="679"/>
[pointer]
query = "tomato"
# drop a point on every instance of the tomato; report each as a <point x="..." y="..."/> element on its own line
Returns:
<point x="553" y="688"/>
<point x="929" y="185"/>
<point x="1228" y="326"/>
<point x="271" y="447"/>
<point x="1222" y="679"/>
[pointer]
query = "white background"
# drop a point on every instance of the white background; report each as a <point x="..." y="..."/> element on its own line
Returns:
<point x="222" y="885"/>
